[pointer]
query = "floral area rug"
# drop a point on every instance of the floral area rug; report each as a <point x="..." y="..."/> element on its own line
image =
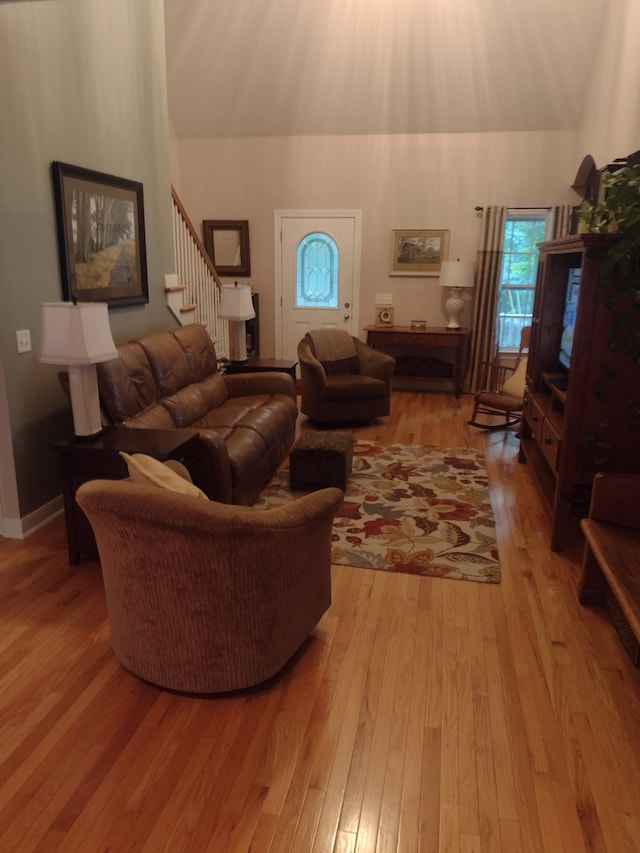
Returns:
<point x="407" y="508"/>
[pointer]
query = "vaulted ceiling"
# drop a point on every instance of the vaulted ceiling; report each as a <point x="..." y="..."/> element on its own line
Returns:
<point x="299" y="67"/>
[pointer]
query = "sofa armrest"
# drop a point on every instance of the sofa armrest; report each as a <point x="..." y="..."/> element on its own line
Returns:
<point x="251" y="384"/>
<point x="213" y="471"/>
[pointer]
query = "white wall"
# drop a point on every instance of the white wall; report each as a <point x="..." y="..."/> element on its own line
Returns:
<point x="398" y="181"/>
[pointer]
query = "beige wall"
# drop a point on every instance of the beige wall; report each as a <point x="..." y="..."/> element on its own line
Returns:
<point x="83" y="82"/>
<point x="413" y="181"/>
<point x="398" y="181"/>
<point x="611" y="124"/>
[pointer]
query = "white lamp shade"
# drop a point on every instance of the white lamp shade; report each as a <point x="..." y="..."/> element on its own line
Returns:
<point x="236" y="302"/>
<point x="457" y="274"/>
<point x="76" y="334"/>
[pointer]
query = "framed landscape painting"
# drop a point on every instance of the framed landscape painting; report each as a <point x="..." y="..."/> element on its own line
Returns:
<point x="418" y="251"/>
<point x="101" y="241"/>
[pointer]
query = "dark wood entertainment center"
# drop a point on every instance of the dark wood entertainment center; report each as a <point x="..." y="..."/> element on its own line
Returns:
<point x="587" y="418"/>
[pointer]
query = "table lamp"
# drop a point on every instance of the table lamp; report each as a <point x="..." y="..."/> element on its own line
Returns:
<point x="236" y="305"/>
<point x="78" y="335"/>
<point x="456" y="275"/>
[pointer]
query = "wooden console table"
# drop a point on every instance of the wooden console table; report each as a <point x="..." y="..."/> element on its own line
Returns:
<point x="406" y="344"/>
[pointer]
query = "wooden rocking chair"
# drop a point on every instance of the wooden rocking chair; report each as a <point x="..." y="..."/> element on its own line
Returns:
<point x="502" y="393"/>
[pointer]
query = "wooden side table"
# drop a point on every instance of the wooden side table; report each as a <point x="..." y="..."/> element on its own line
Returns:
<point x="100" y="459"/>
<point x="264" y="365"/>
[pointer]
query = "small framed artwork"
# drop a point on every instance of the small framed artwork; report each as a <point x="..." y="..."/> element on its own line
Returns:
<point x="418" y="251"/>
<point x="227" y="243"/>
<point x="101" y="240"/>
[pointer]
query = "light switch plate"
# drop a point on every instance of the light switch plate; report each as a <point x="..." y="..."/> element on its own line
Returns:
<point x="384" y="298"/>
<point x="23" y="340"/>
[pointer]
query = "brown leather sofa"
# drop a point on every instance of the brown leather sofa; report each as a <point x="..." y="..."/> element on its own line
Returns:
<point x="169" y="380"/>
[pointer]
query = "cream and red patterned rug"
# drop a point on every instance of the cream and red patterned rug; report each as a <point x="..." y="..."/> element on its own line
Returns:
<point x="408" y="508"/>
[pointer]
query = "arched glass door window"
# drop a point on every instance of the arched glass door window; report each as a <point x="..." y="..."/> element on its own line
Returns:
<point x="317" y="272"/>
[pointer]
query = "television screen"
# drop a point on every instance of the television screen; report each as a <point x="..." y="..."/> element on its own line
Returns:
<point x="569" y="317"/>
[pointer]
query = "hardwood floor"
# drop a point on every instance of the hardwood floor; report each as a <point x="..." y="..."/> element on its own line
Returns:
<point x="423" y="715"/>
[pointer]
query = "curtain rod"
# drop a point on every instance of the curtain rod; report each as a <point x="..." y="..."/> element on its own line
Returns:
<point x="480" y="209"/>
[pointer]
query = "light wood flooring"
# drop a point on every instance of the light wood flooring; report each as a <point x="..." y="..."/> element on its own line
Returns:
<point x="423" y="714"/>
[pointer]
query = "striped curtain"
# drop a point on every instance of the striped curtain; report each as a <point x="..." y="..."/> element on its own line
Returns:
<point x="488" y="262"/>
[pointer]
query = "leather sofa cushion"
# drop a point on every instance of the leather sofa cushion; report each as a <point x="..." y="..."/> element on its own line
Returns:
<point x="127" y="386"/>
<point x="233" y="412"/>
<point x="168" y="361"/>
<point x="155" y="417"/>
<point x="270" y="416"/>
<point x="186" y="406"/>
<point x="214" y="389"/>
<point x="199" y="351"/>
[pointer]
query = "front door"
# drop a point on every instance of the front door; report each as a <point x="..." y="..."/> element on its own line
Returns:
<point x="317" y="274"/>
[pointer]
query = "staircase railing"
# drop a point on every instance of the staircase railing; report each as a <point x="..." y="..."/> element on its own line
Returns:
<point x="197" y="281"/>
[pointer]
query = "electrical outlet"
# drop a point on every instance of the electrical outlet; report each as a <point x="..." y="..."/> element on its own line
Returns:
<point x="23" y="340"/>
<point x="384" y="298"/>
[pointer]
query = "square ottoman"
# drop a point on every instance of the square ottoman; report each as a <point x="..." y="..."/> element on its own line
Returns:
<point x="321" y="459"/>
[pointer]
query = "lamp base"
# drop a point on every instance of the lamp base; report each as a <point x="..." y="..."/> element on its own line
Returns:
<point x="238" y="341"/>
<point x="85" y="402"/>
<point x="87" y="439"/>
<point x="454" y="307"/>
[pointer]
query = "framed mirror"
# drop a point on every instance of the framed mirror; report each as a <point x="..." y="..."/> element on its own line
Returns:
<point x="227" y="243"/>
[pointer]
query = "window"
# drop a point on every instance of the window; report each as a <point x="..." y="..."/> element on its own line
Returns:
<point x="317" y="272"/>
<point x="522" y="230"/>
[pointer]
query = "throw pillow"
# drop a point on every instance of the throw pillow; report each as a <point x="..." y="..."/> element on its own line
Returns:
<point x="514" y="386"/>
<point x="151" y="472"/>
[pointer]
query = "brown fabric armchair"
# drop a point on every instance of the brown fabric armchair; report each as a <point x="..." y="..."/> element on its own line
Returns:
<point x="204" y="597"/>
<point x="342" y="378"/>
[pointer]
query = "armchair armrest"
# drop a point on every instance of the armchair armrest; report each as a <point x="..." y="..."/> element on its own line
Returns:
<point x="311" y="370"/>
<point x="373" y="362"/>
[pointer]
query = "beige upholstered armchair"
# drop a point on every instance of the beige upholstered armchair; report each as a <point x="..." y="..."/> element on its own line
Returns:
<point x="342" y="378"/>
<point x="204" y="597"/>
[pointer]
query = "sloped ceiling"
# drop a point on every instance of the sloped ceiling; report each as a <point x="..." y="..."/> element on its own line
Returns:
<point x="300" y="67"/>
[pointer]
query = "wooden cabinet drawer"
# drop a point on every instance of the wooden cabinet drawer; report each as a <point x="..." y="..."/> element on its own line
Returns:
<point x="400" y="339"/>
<point x="535" y="419"/>
<point x="550" y="443"/>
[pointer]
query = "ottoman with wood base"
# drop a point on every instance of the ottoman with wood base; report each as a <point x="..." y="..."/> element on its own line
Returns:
<point x="321" y="459"/>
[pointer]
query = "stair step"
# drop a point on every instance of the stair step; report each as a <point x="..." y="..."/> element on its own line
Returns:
<point x="175" y="288"/>
<point x="184" y="309"/>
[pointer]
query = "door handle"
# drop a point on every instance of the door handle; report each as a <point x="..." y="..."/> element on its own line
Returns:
<point x="346" y="316"/>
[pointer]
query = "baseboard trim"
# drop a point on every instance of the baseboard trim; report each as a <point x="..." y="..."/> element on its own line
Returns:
<point x="39" y="517"/>
<point x="11" y="528"/>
